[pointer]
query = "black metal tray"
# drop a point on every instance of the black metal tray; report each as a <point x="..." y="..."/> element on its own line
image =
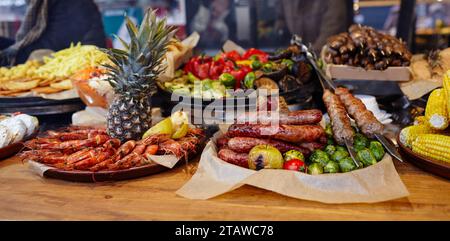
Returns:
<point x="39" y="106"/>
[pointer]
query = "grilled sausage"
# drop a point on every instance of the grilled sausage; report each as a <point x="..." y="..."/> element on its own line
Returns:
<point x="289" y="133"/>
<point x="299" y="117"/>
<point x="342" y="129"/>
<point x="245" y="144"/>
<point x="240" y="159"/>
<point x="364" y="118"/>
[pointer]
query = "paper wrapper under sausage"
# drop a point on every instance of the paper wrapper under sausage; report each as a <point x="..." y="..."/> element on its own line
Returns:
<point x="377" y="183"/>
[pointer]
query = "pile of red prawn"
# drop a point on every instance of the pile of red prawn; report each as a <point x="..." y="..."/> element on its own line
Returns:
<point x="91" y="149"/>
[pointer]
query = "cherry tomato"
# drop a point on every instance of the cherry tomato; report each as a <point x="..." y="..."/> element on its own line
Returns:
<point x="295" y="165"/>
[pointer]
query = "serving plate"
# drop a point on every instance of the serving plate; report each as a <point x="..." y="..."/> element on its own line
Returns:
<point x="38" y="106"/>
<point x="436" y="167"/>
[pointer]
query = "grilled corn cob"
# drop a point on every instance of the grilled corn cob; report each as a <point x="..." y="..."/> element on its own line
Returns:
<point x="410" y="133"/>
<point x="436" y="110"/>
<point x="433" y="146"/>
<point x="446" y="83"/>
<point x="420" y="120"/>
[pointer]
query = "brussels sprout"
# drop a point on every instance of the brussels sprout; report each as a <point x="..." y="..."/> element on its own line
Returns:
<point x="331" y="167"/>
<point x="339" y="155"/>
<point x="341" y="148"/>
<point x="289" y="63"/>
<point x="329" y="130"/>
<point x="360" y="142"/>
<point x="330" y="149"/>
<point x="366" y="157"/>
<point x="315" y="169"/>
<point x="347" y="164"/>
<point x="249" y="80"/>
<point x="293" y="154"/>
<point x="319" y="156"/>
<point x="377" y="150"/>
<point x="330" y="141"/>
<point x="227" y="79"/>
<point x="256" y="64"/>
<point x="267" y="67"/>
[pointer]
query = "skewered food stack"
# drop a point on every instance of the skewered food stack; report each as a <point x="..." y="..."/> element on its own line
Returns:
<point x="365" y="47"/>
<point x="429" y="137"/>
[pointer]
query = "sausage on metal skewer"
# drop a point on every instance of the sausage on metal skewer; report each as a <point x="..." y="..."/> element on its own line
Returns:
<point x="364" y="118"/>
<point x="342" y="129"/>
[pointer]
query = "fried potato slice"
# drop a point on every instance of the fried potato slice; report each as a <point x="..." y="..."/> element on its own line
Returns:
<point x="65" y="84"/>
<point x="14" y="85"/>
<point x="46" y="90"/>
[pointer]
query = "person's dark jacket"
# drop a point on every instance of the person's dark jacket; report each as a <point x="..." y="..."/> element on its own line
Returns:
<point x="69" y="21"/>
<point x="316" y="20"/>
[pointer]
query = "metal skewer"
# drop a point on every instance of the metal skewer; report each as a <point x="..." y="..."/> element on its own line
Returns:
<point x="327" y="83"/>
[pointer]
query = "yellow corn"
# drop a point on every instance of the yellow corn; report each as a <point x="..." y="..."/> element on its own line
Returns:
<point x="432" y="146"/>
<point x="420" y="120"/>
<point x="410" y="133"/>
<point x="446" y="83"/>
<point x="436" y="110"/>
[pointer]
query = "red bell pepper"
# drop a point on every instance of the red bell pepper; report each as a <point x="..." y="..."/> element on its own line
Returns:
<point x="263" y="57"/>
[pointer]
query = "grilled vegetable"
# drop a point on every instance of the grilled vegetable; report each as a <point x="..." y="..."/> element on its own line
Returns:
<point x="329" y="130"/>
<point x="341" y="148"/>
<point x="347" y="165"/>
<point x="265" y="156"/>
<point x="320" y="157"/>
<point x="331" y="167"/>
<point x="360" y="142"/>
<point x="330" y="149"/>
<point x="227" y="79"/>
<point x="315" y="168"/>
<point x="295" y="165"/>
<point x="377" y="150"/>
<point x="410" y="133"/>
<point x="293" y="154"/>
<point x="339" y="155"/>
<point x="436" y="110"/>
<point x="366" y="157"/>
<point x="249" y="80"/>
<point x="433" y="146"/>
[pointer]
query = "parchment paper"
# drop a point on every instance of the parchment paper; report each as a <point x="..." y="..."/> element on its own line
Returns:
<point x="376" y="183"/>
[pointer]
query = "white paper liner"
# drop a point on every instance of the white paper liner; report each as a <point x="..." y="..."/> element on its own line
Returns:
<point x="377" y="183"/>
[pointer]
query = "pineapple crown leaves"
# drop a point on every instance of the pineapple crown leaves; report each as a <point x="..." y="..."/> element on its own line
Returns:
<point x="134" y="70"/>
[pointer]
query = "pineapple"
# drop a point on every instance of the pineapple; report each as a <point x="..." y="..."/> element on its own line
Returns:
<point x="133" y="76"/>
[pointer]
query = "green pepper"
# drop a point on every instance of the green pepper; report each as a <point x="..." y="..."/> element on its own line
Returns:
<point x="289" y="63"/>
<point x="366" y="157"/>
<point x="377" y="150"/>
<point x="254" y="57"/>
<point x="360" y="142"/>
<point x="256" y="64"/>
<point x="293" y="154"/>
<point x="319" y="156"/>
<point x="192" y="78"/>
<point x="315" y="168"/>
<point x="227" y="80"/>
<point x="347" y="164"/>
<point x="329" y="130"/>
<point x="249" y="80"/>
<point x="331" y="167"/>
<point x="330" y="149"/>
<point x="339" y="155"/>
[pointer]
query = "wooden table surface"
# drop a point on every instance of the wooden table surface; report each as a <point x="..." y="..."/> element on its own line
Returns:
<point x="26" y="196"/>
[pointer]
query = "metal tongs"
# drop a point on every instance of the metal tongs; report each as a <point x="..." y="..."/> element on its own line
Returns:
<point x="327" y="83"/>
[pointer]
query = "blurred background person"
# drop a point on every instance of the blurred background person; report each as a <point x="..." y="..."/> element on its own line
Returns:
<point x="316" y="20"/>
<point x="53" y="24"/>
